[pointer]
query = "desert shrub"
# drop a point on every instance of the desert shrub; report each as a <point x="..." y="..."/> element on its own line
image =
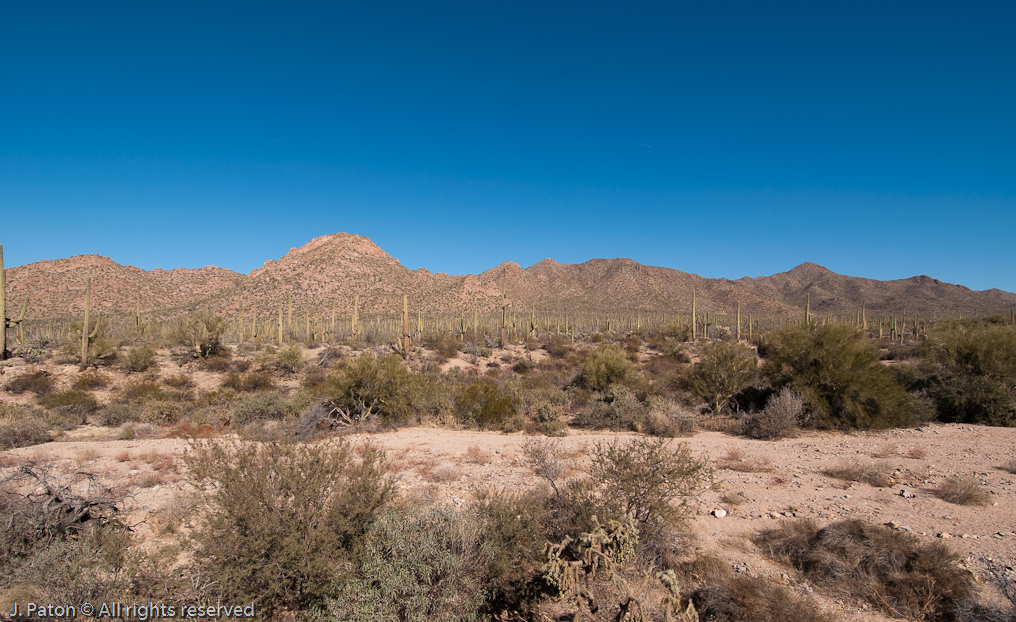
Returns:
<point x="877" y="474"/>
<point x="67" y="557"/>
<point x="779" y="419"/>
<point x="676" y="332"/>
<point x="249" y="382"/>
<point x="289" y="359"/>
<point x="972" y="376"/>
<point x="511" y="540"/>
<point x="962" y="491"/>
<point x="21" y="426"/>
<point x="202" y="333"/>
<point x="558" y="346"/>
<point x="77" y="399"/>
<point x="838" y="373"/>
<point x="544" y="409"/>
<point x="413" y="567"/>
<point x="443" y="344"/>
<point x="650" y="480"/>
<point x="668" y="419"/>
<point x="138" y="390"/>
<point x="754" y="599"/>
<point x="179" y="381"/>
<point x="619" y="410"/>
<point x="603" y="366"/>
<point x="284" y="517"/>
<point x="487" y="405"/>
<point x="37" y="382"/>
<point x="162" y="412"/>
<point x="262" y="407"/>
<point x="370" y="387"/>
<point x="113" y="415"/>
<point x="723" y="371"/>
<point x="217" y="363"/>
<point x="90" y="380"/>
<point x="890" y="569"/>
<point x="139" y="359"/>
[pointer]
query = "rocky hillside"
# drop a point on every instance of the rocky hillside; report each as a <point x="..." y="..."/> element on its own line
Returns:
<point x="328" y="271"/>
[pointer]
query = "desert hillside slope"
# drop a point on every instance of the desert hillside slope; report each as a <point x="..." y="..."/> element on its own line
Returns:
<point x="328" y="271"/>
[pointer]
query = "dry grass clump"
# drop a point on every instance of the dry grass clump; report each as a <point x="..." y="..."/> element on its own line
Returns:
<point x="892" y="570"/>
<point x="444" y="474"/>
<point x="917" y="453"/>
<point x="754" y="599"/>
<point x="181" y="382"/>
<point x="475" y="455"/>
<point x="962" y="490"/>
<point x="737" y="460"/>
<point x="877" y="474"/>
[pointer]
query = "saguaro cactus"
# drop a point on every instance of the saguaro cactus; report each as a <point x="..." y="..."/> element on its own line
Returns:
<point x="407" y="344"/>
<point x="85" y="335"/>
<point x="354" y="322"/>
<point x="6" y="321"/>
<point x="694" y="325"/>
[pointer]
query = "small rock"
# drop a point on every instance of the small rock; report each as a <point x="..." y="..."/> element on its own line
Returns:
<point x="906" y="494"/>
<point x="944" y="535"/>
<point x="906" y="528"/>
<point x="719" y="513"/>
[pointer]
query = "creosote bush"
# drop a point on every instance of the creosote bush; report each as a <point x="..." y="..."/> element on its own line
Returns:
<point x="487" y="405"/>
<point x="605" y="365"/>
<point x="139" y="359"/>
<point x="285" y="518"/>
<point x="369" y="388"/>
<point x="37" y="382"/>
<point x="724" y="370"/>
<point x="779" y="419"/>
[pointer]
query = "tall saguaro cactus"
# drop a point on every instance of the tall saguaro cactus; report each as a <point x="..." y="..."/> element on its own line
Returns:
<point x="504" y="307"/>
<point x="4" y="320"/>
<point x="407" y="344"/>
<point x="85" y="335"/>
<point x="354" y="322"/>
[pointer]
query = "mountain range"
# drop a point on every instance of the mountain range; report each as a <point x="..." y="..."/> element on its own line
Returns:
<point x="328" y="271"/>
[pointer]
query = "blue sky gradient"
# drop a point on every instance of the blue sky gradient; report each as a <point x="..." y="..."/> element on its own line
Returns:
<point x="730" y="139"/>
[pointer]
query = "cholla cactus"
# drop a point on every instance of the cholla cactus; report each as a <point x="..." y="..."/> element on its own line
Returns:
<point x="4" y="320"/>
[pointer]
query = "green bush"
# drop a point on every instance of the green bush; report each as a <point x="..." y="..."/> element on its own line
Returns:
<point x="724" y="370"/>
<point x="970" y="372"/>
<point x="289" y="360"/>
<point x="114" y="415"/>
<point x="839" y="374"/>
<point x="37" y="382"/>
<point x="249" y="382"/>
<point x="370" y="388"/>
<point x="139" y="359"/>
<point x="413" y="567"/>
<point x="77" y="399"/>
<point x="284" y="518"/>
<point x="263" y="407"/>
<point x="202" y="333"/>
<point x="486" y="405"/>
<point x="21" y="426"/>
<point x="138" y="390"/>
<point x="89" y="381"/>
<point x="605" y="365"/>
<point x="650" y="480"/>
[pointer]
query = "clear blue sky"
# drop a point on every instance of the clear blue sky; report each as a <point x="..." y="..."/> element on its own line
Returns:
<point x="721" y="138"/>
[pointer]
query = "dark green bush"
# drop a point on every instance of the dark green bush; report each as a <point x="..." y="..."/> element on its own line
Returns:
<point x="969" y="372"/>
<point x="77" y="399"/>
<point x="113" y="415"/>
<point x="285" y="518"/>
<point x="202" y="333"/>
<point x="370" y="388"/>
<point x="487" y="405"/>
<point x="138" y="390"/>
<point x="838" y="373"/>
<point x="723" y="371"/>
